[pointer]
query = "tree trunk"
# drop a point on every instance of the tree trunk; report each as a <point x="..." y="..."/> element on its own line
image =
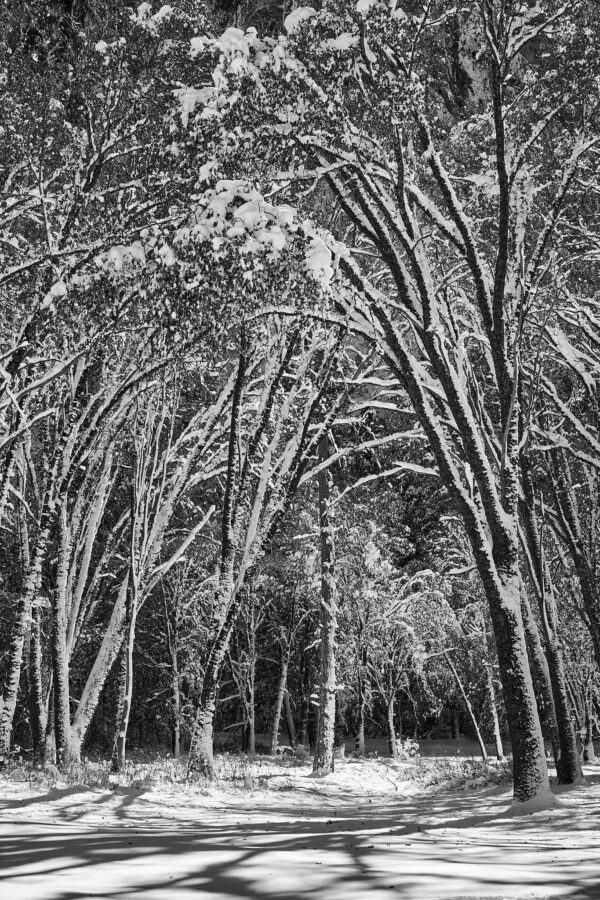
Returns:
<point x="251" y="713"/>
<point x="455" y="725"/>
<point x="391" y="729"/>
<point x="37" y="707"/>
<point x="589" y="753"/>
<point x="289" y="719"/>
<point x="305" y="689"/>
<point x="494" y="713"/>
<point x="105" y="659"/>
<point x="50" y="737"/>
<point x="461" y="688"/>
<point x="279" y="699"/>
<point x="589" y="594"/>
<point x="339" y="735"/>
<point x="529" y="759"/>
<point x="115" y="763"/>
<point x="323" y="760"/>
<point x="359" y="737"/>
<point x="201" y="757"/>
<point x="126" y="686"/>
<point x="17" y="642"/>
<point x="65" y="751"/>
<point x="568" y="765"/>
<point x="491" y="691"/>
<point x="541" y="675"/>
<point x="175" y="687"/>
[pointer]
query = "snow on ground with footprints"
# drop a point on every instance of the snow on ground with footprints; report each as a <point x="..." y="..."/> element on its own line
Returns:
<point x="273" y="831"/>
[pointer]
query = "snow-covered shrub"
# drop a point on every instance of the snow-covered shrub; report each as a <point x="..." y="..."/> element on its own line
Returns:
<point x="407" y="748"/>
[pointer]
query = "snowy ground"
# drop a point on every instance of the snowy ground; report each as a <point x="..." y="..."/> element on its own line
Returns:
<point x="363" y="832"/>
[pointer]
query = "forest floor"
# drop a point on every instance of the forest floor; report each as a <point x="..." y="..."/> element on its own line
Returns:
<point x="373" y="829"/>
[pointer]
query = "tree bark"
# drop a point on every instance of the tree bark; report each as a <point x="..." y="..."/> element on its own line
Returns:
<point x="17" y="642"/>
<point x="66" y="752"/>
<point x="279" y="699"/>
<point x="589" y="753"/>
<point x="37" y="707"/>
<point x="494" y="713"/>
<point x="568" y="766"/>
<point x="529" y="759"/>
<point x="105" y="658"/>
<point x="176" y="690"/>
<point x="323" y="760"/>
<point x="201" y="759"/>
<point x="126" y="686"/>
<point x="359" y="737"/>
<point x="305" y="689"/>
<point x="251" y="714"/>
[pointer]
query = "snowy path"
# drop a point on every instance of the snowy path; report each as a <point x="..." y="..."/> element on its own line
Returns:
<point x="351" y="837"/>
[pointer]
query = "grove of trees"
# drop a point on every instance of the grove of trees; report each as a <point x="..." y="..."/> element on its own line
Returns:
<point x="300" y="379"/>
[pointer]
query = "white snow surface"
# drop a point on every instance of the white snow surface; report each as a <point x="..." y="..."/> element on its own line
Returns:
<point x="360" y="833"/>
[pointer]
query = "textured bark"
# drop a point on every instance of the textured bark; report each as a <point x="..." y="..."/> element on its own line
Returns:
<point x="201" y="758"/>
<point x="529" y="760"/>
<point x="17" y="641"/>
<point x="494" y="713"/>
<point x="37" y="706"/>
<point x="176" y="692"/>
<point x="589" y="753"/>
<point x="126" y="686"/>
<point x="590" y="596"/>
<point x="65" y="751"/>
<point x="568" y="766"/>
<point x="304" y="736"/>
<point x="323" y="760"/>
<point x="279" y="699"/>
<point x="541" y="675"/>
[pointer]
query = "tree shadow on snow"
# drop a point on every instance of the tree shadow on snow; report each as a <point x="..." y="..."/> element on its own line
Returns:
<point x="249" y="860"/>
